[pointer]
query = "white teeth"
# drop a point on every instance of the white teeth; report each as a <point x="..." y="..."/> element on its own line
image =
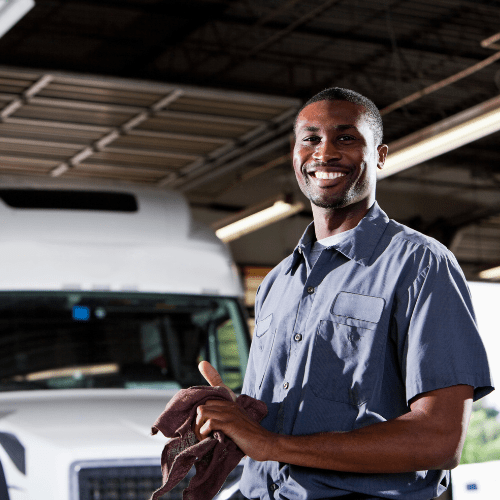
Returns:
<point x="328" y="175"/>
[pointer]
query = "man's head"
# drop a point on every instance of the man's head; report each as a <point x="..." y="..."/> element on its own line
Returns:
<point x="338" y="149"/>
<point x="339" y="94"/>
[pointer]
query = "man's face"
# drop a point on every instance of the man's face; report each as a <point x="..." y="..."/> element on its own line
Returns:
<point x="335" y="157"/>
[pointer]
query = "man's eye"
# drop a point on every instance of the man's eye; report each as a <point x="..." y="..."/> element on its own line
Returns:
<point x="312" y="138"/>
<point x="344" y="138"/>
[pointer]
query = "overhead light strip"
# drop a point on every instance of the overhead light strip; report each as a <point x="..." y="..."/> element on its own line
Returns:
<point x="442" y="137"/>
<point x="280" y="210"/>
<point x="75" y="372"/>
<point x="490" y="274"/>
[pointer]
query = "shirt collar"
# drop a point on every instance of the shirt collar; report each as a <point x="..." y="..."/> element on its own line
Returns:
<point x="361" y="244"/>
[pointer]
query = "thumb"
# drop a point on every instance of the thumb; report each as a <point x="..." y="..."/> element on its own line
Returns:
<point x="213" y="377"/>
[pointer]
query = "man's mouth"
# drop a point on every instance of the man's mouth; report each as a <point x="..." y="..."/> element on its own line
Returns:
<point x="319" y="174"/>
<point x="326" y="177"/>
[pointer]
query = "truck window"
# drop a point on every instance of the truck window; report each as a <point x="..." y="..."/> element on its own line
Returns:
<point x="63" y="340"/>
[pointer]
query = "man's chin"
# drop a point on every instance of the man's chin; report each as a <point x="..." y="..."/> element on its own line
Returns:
<point x="330" y="204"/>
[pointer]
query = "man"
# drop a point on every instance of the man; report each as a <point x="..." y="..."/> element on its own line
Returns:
<point x="366" y="350"/>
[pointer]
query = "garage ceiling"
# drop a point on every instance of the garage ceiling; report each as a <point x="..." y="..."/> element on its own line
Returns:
<point x="75" y="126"/>
<point x="200" y="96"/>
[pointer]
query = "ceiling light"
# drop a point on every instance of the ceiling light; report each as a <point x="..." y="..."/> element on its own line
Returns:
<point x="490" y="274"/>
<point x="444" y="136"/>
<point x="75" y="372"/>
<point x="11" y="11"/>
<point x="278" y="211"/>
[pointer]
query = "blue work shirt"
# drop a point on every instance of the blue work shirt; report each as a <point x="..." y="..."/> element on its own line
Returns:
<point x="384" y="315"/>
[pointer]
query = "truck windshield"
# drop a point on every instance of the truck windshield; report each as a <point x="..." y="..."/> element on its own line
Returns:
<point x="121" y="340"/>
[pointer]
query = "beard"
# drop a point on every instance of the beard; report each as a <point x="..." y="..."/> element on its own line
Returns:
<point x="338" y="202"/>
<point x="349" y="195"/>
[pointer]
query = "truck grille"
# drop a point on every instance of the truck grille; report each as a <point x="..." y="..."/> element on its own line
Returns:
<point x="123" y="483"/>
<point x="136" y="482"/>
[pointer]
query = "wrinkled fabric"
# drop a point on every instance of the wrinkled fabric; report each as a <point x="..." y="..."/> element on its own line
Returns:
<point x="214" y="457"/>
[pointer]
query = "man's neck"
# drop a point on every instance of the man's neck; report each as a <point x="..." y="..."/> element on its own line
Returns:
<point x="331" y="221"/>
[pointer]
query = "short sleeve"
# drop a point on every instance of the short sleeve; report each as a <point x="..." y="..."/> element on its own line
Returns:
<point x="437" y="332"/>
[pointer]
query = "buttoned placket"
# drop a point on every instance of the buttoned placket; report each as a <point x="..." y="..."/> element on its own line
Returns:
<point x="310" y="289"/>
<point x="314" y="278"/>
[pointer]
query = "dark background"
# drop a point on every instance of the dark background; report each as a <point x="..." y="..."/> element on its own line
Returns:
<point x="135" y="52"/>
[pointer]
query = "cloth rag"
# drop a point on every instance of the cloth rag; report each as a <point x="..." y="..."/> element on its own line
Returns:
<point x="214" y="457"/>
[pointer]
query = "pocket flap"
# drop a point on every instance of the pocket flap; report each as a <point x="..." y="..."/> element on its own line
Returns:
<point x="263" y="326"/>
<point x="362" y="307"/>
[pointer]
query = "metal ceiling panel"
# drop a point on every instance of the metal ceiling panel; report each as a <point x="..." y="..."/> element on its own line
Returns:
<point x="75" y="125"/>
<point x="215" y="126"/>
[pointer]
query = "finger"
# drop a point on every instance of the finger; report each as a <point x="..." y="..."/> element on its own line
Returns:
<point x="199" y="421"/>
<point x="201" y="436"/>
<point x="205" y="429"/>
<point x="212" y="425"/>
<point x="210" y="374"/>
<point x="196" y="430"/>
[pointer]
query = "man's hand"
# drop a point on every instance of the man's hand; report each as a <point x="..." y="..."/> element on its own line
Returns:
<point x="211" y="375"/>
<point x="228" y="417"/>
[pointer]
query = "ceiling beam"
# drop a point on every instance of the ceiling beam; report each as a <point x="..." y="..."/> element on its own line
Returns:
<point x="410" y="42"/>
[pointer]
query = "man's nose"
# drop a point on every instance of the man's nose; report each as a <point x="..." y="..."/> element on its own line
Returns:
<point x="326" y="151"/>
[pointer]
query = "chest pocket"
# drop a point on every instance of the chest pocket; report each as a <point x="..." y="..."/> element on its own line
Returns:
<point x="264" y="341"/>
<point x="347" y="350"/>
<point x="262" y="327"/>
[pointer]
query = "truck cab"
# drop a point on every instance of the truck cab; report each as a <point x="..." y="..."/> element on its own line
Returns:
<point x="110" y="296"/>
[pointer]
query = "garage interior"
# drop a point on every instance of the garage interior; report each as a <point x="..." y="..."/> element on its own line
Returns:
<point x="199" y="96"/>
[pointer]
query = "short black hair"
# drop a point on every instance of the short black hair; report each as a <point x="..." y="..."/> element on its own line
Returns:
<point x="340" y="94"/>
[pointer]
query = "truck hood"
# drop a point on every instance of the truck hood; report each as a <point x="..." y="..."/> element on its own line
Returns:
<point x="113" y="421"/>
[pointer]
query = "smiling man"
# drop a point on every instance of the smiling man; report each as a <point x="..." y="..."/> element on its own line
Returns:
<point x="366" y="350"/>
<point x="336" y="155"/>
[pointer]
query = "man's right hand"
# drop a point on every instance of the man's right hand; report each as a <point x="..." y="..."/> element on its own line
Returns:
<point x="212" y="376"/>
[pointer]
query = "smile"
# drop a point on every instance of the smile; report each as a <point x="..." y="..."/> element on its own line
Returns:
<point x="327" y="175"/>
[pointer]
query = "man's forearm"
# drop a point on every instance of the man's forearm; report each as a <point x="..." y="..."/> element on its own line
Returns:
<point x="430" y="436"/>
<point x="400" y="445"/>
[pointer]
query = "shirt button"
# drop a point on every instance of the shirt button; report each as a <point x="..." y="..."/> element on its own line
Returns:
<point x="310" y="289"/>
<point x="298" y="337"/>
<point x="286" y="385"/>
<point x="274" y="487"/>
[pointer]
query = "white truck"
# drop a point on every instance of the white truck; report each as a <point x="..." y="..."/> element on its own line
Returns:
<point x="110" y="295"/>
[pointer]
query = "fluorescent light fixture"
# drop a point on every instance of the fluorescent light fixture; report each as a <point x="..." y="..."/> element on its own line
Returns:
<point x="490" y="274"/>
<point x="444" y="136"/>
<point x="75" y="372"/>
<point x="11" y="11"/>
<point x="278" y="211"/>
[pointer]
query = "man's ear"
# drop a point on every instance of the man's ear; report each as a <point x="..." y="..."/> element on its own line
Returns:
<point x="382" y="150"/>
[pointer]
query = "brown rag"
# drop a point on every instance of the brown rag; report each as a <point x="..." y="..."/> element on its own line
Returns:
<point x="214" y="457"/>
